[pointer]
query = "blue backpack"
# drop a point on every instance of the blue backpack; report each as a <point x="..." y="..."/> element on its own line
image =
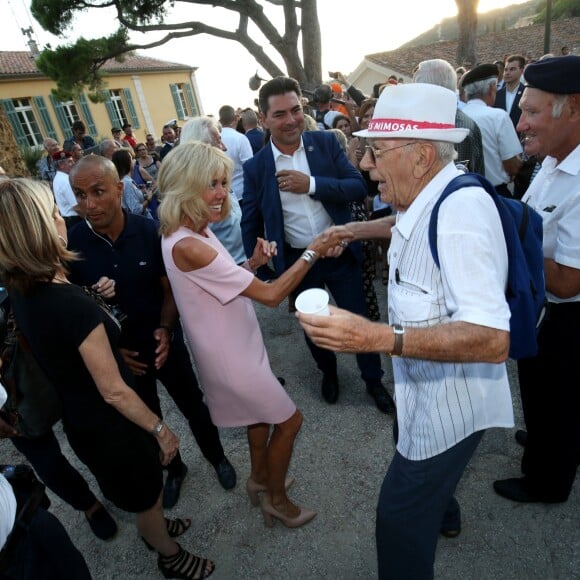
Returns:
<point x="525" y="292"/>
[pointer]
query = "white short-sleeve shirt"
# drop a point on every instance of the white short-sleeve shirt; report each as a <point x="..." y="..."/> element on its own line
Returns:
<point x="555" y="195"/>
<point x="499" y="138"/>
<point x="438" y="403"/>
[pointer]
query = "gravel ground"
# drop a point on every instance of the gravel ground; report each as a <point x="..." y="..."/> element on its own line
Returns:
<point x="340" y="459"/>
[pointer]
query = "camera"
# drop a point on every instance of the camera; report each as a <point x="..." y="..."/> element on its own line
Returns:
<point x="333" y="75"/>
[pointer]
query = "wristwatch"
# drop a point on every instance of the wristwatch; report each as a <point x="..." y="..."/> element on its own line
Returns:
<point x="399" y="332"/>
<point x="158" y="427"/>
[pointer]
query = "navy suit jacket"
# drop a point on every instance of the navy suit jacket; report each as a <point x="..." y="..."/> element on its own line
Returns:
<point x="500" y="103"/>
<point x="337" y="184"/>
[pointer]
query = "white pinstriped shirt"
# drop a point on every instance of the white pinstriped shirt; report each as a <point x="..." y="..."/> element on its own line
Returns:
<point x="439" y="404"/>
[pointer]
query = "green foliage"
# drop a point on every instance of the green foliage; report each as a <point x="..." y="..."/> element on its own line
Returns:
<point x="53" y="16"/>
<point x="31" y="157"/>
<point x="560" y="9"/>
<point x="56" y="16"/>
<point x="144" y="11"/>
<point x="76" y="66"/>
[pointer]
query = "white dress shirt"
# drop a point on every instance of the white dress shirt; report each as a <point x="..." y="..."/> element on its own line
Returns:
<point x="64" y="195"/>
<point x="441" y="403"/>
<point x="304" y="216"/>
<point x="239" y="151"/>
<point x="499" y="138"/>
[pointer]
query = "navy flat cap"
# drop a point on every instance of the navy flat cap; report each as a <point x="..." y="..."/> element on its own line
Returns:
<point x="479" y="73"/>
<point x="559" y="75"/>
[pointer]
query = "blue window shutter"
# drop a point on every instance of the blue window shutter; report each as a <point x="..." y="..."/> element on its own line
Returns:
<point x="111" y="110"/>
<point x="43" y="112"/>
<point x="177" y="102"/>
<point x="62" y="120"/>
<point x="191" y="99"/>
<point x="87" y="115"/>
<point x="132" y="110"/>
<point x="15" y="122"/>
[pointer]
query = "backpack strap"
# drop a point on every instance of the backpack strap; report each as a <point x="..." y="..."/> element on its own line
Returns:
<point x="459" y="182"/>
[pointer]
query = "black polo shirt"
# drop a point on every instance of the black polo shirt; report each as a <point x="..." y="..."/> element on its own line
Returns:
<point x="135" y="262"/>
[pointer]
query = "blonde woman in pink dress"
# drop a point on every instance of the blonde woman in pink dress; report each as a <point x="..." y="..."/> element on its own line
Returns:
<point x="214" y="297"/>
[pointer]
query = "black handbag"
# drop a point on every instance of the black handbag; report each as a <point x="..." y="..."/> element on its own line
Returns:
<point x="33" y="405"/>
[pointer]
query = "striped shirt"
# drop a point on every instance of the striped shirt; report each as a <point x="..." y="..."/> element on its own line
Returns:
<point x="441" y="403"/>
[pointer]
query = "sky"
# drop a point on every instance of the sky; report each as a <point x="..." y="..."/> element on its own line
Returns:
<point x="349" y="31"/>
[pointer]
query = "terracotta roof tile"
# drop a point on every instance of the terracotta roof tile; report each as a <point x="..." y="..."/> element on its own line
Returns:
<point x="21" y="63"/>
<point x="489" y="47"/>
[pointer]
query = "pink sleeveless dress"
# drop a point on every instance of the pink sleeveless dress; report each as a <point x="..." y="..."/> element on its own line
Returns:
<point x="225" y="338"/>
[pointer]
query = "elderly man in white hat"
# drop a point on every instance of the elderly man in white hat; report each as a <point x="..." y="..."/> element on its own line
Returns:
<point x="448" y="330"/>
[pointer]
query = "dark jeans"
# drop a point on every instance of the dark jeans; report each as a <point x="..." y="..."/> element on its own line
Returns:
<point x="46" y="552"/>
<point x="53" y="468"/>
<point x="343" y="278"/>
<point x="550" y="388"/>
<point x="415" y="503"/>
<point x="181" y="383"/>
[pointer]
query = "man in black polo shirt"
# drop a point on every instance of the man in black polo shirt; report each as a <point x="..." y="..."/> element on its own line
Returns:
<point x="126" y="248"/>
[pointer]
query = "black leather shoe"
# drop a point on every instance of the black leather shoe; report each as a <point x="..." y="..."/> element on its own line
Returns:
<point x="521" y="437"/>
<point x="102" y="524"/>
<point x="172" y="488"/>
<point x="518" y="489"/>
<point x="330" y="387"/>
<point x="383" y="400"/>
<point x="226" y="474"/>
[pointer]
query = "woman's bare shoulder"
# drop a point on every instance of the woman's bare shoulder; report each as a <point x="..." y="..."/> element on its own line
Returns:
<point x="192" y="254"/>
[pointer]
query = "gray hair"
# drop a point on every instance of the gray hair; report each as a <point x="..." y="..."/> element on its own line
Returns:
<point x="445" y="151"/>
<point x="249" y="117"/>
<point x="479" y="89"/>
<point x="436" y="72"/>
<point x="107" y="147"/>
<point x="558" y="105"/>
<point x="197" y="129"/>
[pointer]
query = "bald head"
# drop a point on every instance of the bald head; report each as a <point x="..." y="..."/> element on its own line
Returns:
<point x="99" y="194"/>
<point x="94" y="163"/>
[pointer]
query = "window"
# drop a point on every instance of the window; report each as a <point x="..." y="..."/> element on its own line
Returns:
<point x="67" y="112"/>
<point x="183" y="100"/>
<point x="118" y="108"/>
<point x="70" y="112"/>
<point x="27" y="121"/>
<point x="181" y="96"/>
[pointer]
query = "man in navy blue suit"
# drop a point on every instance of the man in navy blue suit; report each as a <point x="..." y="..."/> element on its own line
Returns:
<point x="294" y="188"/>
<point x="508" y="97"/>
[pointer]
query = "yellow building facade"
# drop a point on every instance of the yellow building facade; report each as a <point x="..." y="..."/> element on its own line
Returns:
<point x="142" y="91"/>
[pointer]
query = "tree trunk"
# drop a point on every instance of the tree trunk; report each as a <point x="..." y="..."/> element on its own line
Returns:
<point x="10" y="157"/>
<point x="311" y="45"/>
<point x="467" y="20"/>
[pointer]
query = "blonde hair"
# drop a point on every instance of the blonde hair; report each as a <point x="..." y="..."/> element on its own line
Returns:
<point x="30" y="248"/>
<point x="341" y="138"/>
<point x="185" y="175"/>
<point x="310" y="123"/>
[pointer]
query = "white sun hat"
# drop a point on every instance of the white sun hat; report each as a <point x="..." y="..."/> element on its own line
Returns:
<point x="415" y="111"/>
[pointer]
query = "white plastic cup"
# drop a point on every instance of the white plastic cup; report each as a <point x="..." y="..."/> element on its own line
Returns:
<point x="313" y="301"/>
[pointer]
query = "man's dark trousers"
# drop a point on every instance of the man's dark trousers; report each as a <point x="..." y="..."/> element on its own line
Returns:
<point x="550" y="389"/>
<point x="343" y="277"/>
<point x="415" y="503"/>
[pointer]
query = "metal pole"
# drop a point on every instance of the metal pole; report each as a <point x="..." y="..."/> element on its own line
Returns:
<point x="548" y="27"/>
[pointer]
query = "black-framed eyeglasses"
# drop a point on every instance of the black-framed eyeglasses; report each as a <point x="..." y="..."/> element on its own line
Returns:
<point x="377" y="153"/>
